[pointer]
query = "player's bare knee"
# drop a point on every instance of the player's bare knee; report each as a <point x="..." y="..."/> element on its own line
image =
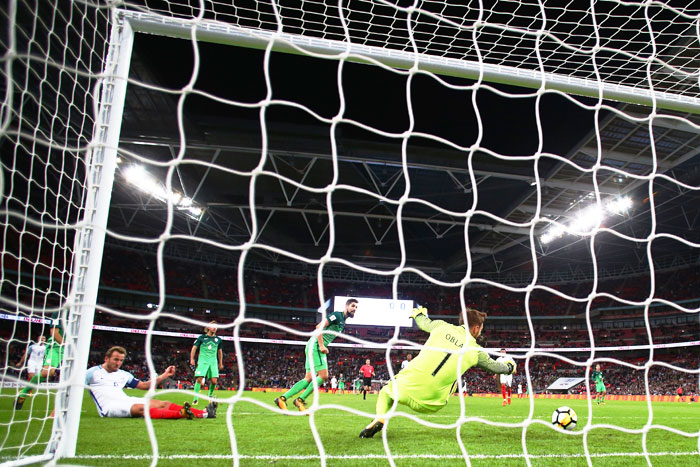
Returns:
<point x="137" y="410"/>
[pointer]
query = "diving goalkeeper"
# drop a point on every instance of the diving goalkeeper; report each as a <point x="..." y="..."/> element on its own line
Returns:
<point x="427" y="383"/>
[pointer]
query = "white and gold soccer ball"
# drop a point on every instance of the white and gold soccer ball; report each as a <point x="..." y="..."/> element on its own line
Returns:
<point x="564" y="417"/>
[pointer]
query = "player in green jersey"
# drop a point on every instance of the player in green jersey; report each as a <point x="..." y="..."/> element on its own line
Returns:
<point x="599" y="385"/>
<point x="316" y="360"/>
<point x="341" y="384"/>
<point x="209" y="362"/>
<point x="53" y="357"/>
<point x="428" y="382"/>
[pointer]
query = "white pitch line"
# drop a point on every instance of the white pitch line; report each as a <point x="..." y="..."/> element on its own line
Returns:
<point x="383" y="456"/>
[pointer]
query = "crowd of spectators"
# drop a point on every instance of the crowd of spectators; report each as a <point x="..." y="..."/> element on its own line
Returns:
<point x="131" y="271"/>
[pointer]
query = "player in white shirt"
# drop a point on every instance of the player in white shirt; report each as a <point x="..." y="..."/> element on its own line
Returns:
<point x="520" y="390"/>
<point x="34" y="357"/>
<point x="107" y="381"/>
<point x="334" y="385"/>
<point x="405" y="363"/>
<point x="506" y="380"/>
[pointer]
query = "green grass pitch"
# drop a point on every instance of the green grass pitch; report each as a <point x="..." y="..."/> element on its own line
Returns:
<point x="265" y="437"/>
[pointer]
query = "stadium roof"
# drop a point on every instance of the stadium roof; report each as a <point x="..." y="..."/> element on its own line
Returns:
<point x="229" y="133"/>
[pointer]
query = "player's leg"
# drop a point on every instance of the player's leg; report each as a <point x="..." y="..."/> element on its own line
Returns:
<point x="602" y="401"/>
<point x="214" y="380"/>
<point x="384" y="402"/>
<point x="309" y="353"/>
<point x="509" y="393"/>
<point x="503" y="393"/>
<point x="321" y="377"/>
<point x="197" y="386"/>
<point x="52" y="360"/>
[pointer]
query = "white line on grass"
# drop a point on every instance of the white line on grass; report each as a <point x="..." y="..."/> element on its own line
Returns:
<point x="383" y="456"/>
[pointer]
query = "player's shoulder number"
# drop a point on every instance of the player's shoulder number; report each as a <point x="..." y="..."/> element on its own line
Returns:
<point x="332" y="317"/>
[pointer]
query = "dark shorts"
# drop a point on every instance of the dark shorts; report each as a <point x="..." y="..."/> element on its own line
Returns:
<point x="366" y="381"/>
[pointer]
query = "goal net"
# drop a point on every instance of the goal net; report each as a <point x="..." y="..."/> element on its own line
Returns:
<point x="247" y="161"/>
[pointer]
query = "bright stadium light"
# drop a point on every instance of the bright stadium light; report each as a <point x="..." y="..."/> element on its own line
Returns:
<point x="139" y="177"/>
<point x="619" y="205"/>
<point x="588" y="218"/>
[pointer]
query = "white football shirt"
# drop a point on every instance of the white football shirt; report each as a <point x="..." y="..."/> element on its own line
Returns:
<point x="106" y="387"/>
<point x="36" y="354"/>
<point x="505" y="379"/>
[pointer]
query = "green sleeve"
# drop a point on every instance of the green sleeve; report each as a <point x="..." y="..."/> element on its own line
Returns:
<point x="489" y="364"/>
<point x="426" y="324"/>
<point x="197" y="341"/>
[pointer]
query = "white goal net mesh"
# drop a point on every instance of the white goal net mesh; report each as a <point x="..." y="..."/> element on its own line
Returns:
<point x="531" y="160"/>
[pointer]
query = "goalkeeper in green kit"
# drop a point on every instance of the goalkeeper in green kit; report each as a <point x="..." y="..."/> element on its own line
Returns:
<point x="428" y="382"/>
<point x="209" y="362"/>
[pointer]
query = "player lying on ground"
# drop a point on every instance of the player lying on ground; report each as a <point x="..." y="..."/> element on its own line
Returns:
<point x="209" y="362"/>
<point x="428" y="382"/>
<point x="106" y="382"/>
<point x="316" y="351"/>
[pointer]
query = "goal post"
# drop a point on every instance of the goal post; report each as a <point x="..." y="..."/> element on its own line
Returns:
<point x="90" y="238"/>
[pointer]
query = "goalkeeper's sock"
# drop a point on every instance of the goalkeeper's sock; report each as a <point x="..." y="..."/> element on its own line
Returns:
<point x="212" y="388"/>
<point x="310" y="387"/>
<point x="299" y="386"/>
<point x="164" y="413"/>
<point x="384" y="402"/>
<point x="36" y="379"/>
<point x="197" y="387"/>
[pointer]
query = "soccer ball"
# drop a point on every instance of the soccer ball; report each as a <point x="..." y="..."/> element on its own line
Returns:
<point x="564" y="417"/>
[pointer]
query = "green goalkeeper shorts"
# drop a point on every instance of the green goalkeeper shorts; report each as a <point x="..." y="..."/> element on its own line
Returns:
<point x="314" y="354"/>
<point x="599" y="387"/>
<point x="207" y="370"/>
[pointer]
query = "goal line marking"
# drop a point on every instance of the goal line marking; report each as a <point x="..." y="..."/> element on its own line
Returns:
<point x="383" y="456"/>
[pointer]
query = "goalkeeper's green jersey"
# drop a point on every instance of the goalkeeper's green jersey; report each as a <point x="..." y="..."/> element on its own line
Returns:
<point x="208" y="348"/>
<point x="56" y="323"/>
<point x="432" y="376"/>
<point x="598" y="377"/>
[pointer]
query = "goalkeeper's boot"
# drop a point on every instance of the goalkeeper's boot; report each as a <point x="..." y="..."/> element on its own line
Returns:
<point x="19" y="402"/>
<point x="211" y="409"/>
<point x="372" y="429"/>
<point x="281" y="402"/>
<point x="299" y="403"/>
<point x="195" y="402"/>
<point x="186" y="411"/>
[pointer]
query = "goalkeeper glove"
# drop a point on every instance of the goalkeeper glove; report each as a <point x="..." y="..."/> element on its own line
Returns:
<point x="193" y="368"/>
<point x="511" y="366"/>
<point x="419" y="311"/>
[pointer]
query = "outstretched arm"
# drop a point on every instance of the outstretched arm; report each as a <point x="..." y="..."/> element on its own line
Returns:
<point x="170" y="371"/>
<point x="420" y="316"/>
<point x="489" y="364"/>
